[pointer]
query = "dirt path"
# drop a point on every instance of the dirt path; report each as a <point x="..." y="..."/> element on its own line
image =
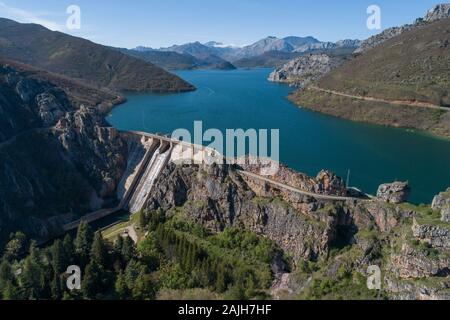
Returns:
<point x="394" y="102"/>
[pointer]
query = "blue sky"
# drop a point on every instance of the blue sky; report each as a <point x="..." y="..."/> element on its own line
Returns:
<point x="240" y="22"/>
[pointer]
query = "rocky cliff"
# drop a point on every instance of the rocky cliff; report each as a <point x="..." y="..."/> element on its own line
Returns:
<point x="58" y="158"/>
<point x="306" y="69"/>
<point x="440" y="11"/>
<point x="335" y="239"/>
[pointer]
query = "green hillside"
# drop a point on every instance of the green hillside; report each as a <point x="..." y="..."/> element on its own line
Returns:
<point x="82" y="59"/>
<point x="413" y="67"/>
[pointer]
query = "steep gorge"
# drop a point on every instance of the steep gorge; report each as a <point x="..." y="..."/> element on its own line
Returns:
<point x="59" y="158"/>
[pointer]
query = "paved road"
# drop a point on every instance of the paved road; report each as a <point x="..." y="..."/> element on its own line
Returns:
<point x="394" y="102"/>
<point x="295" y="190"/>
<point x="150" y="170"/>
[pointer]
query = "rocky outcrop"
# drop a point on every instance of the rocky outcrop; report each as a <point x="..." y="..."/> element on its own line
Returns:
<point x="304" y="70"/>
<point x="412" y="263"/>
<point x="441" y="203"/>
<point x="386" y="217"/>
<point x="217" y="197"/>
<point x="396" y="192"/>
<point x="410" y="290"/>
<point x="307" y="229"/>
<point x="326" y="182"/>
<point x="435" y="235"/>
<point x="382" y="37"/>
<point x="441" y="11"/>
<point x="98" y="149"/>
<point x="58" y="158"/>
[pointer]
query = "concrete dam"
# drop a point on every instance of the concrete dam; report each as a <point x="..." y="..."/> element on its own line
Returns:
<point x="148" y="155"/>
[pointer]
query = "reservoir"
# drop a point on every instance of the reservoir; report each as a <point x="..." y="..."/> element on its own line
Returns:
<point x="309" y="141"/>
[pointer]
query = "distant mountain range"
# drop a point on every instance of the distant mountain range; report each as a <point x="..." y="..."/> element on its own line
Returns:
<point x="267" y="52"/>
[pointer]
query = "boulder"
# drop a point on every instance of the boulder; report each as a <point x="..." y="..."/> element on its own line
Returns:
<point x="396" y="192"/>
<point x="329" y="183"/>
<point x="441" y="203"/>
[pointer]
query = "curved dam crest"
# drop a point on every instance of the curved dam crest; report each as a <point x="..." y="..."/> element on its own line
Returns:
<point x="309" y="141"/>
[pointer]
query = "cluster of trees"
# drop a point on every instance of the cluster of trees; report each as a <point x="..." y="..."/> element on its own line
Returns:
<point x="174" y="255"/>
<point x="234" y="263"/>
<point x="42" y="273"/>
<point x="205" y="271"/>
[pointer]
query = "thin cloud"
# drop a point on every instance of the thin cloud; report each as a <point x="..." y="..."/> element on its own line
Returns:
<point x="28" y="17"/>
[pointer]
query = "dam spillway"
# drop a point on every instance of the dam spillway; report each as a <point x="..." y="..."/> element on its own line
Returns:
<point x="152" y="170"/>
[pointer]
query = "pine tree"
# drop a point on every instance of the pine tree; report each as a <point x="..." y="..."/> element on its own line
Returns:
<point x="6" y="273"/>
<point x="118" y="244"/>
<point x="142" y="219"/>
<point x="190" y="258"/>
<point x="221" y="285"/>
<point x="118" y="263"/>
<point x="58" y="256"/>
<point x="237" y="292"/>
<point x="131" y="273"/>
<point x="16" y="245"/>
<point x="99" y="251"/>
<point x="55" y="287"/>
<point x="128" y="250"/>
<point x="10" y="291"/>
<point x="69" y="250"/>
<point x="33" y="277"/>
<point x="92" y="283"/>
<point x="121" y="286"/>
<point x="143" y="287"/>
<point x="83" y="243"/>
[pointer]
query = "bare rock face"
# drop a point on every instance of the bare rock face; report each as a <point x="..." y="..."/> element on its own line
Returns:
<point x="57" y="160"/>
<point x="441" y="203"/>
<point x="97" y="148"/>
<point x="218" y="197"/>
<point x="326" y="182"/>
<point x="386" y="217"/>
<point x="440" y="11"/>
<point x="304" y="70"/>
<point x="329" y="183"/>
<point x="396" y="192"/>
<point x="382" y="37"/>
<point x="412" y="263"/>
<point x="436" y="236"/>
<point x="409" y="290"/>
<point x="49" y="108"/>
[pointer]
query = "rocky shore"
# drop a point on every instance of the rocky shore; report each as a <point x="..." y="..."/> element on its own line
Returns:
<point x="306" y="69"/>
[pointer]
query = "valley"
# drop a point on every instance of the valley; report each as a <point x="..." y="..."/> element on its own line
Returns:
<point x="91" y="178"/>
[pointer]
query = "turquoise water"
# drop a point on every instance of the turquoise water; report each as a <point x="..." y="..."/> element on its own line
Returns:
<point x="309" y="141"/>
